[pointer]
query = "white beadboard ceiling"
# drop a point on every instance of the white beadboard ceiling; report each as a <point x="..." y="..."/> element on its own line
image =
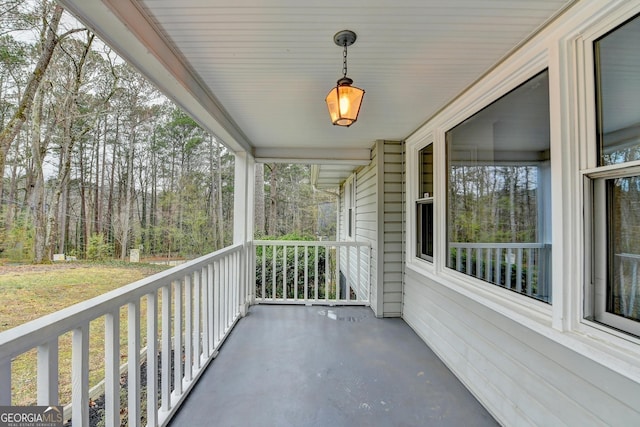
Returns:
<point x="256" y="72"/>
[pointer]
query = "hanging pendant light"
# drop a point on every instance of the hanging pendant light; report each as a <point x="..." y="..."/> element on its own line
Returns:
<point x="344" y="100"/>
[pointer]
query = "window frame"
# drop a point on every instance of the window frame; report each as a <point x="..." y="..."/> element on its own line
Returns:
<point x="594" y="175"/>
<point x="596" y="304"/>
<point x="350" y="208"/>
<point x="424" y="200"/>
<point x="412" y="200"/>
<point x="472" y="154"/>
<point x="491" y="89"/>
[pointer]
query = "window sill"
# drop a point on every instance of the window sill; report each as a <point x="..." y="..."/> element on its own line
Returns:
<point x="599" y="344"/>
<point x="526" y="311"/>
<point x="421" y="266"/>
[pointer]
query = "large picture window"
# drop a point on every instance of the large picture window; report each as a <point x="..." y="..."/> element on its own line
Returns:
<point x="498" y="198"/>
<point x="614" y="186"/>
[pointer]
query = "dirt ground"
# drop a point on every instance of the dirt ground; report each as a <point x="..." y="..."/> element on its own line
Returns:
<point x="60" y="266"/>
<point x="37" y="268"/>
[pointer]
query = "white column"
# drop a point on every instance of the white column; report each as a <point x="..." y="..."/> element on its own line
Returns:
<point x="243" y="198"/>
<point x="243" y="217"/>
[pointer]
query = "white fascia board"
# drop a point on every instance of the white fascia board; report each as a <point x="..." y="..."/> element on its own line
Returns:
<point x="121" y="25"/>
<point x="319" y="156"/>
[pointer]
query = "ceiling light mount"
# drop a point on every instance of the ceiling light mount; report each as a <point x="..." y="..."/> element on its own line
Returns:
<point x="344" y="100"/>
<point x="345" y="38"/>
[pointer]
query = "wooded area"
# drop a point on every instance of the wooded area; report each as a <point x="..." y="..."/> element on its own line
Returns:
<point x="493" y="204"/>
<point x="95" y="160"/>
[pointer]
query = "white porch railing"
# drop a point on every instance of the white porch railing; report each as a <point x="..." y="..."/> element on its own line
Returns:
<point x="200" y="302"/>
<point x="311" y="272"/>
<point x="522" y="267"/>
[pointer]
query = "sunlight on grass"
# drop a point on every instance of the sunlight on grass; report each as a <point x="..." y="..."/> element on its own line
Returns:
<point x="32" y="294"/>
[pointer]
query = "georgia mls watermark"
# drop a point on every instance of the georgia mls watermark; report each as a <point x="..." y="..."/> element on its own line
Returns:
<point x="31" y="416"/>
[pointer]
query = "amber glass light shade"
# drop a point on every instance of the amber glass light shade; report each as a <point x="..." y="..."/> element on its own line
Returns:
<point x="343" y="102"/>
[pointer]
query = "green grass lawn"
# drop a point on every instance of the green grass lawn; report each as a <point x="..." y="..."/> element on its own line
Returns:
<point x="29" y="292"/>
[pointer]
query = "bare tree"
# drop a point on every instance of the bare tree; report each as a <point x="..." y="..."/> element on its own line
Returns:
<point x="49" y="40"/>
<point x="259" y="200"/>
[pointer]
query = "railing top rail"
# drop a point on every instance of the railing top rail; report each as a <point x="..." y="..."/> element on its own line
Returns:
<point x="628" y="255"/>
<point x="307" y="243"/>
<point x="22" y="338"/>
<point x="497" y="245"/>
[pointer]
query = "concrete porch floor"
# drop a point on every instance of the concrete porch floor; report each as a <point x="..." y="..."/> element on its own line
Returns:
<point x="327" y="366"/>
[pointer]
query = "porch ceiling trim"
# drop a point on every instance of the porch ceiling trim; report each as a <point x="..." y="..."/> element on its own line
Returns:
<point x="123" y="27"/>
<point x="348" y="156"/>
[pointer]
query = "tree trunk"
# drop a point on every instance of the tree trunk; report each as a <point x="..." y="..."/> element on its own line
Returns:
<point x="153" y="215"/>
<point x="68" y="113"/>
<point x="273" y="198"/>
<point x="128" y="204"/>
<point x="38" y="193"/>
<point x="219" y="197"/>
<point x="8" y="134"/>
<point x="97" y="212"/>
<point x="259" y="200"/>
<point x="108" y="224"/>
<point x="512" y="207"/>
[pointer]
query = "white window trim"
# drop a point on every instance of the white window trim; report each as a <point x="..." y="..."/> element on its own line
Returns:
<point x="350" y="196"/>
<point x="502" y="300"/>
<point x="579" y="50"/>
<point x="413" y="172"/>
<point x="582" y="46"/>
<point x="560" y="48"/>
<point x="597" y="303"/>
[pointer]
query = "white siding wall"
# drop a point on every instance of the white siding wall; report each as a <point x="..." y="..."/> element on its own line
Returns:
<point x="379" y="221"/>
<point x="365" y="229"/>
<point x="366" y="220"/>
<point x="520" y="376"/>
<point x="529" y="363"/>
<point x="391" y="223"/>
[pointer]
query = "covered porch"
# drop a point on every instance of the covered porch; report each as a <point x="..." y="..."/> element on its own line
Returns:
<point x="318" y="366"/>
<point x="235" y="346"/>
<point x="255" y="75"/>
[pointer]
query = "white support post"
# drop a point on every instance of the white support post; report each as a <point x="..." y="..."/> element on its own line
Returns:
<point x="210" y="307"/>
<point x="5" y="382"/>
<point x="177" y="334"/>
<point x="188" y="329"/>
<point x="152" y="359"/>
<point x="243" y="212"/>
<point x="217" y="283"/>
<point x="165" y="381"/>
<point x="80" y="375"/>
<point x="48" y="373"/>
<point x="243" y="198"/>
<point x="204" y="310"/>
<point x="112" y="369"/>
<point x="133" y="364"/>
<point x="246" y="279"/>
<point x="197" y="304"/>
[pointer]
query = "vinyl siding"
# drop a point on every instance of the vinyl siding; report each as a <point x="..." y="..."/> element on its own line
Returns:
<point x="379" y="221"/>
<point x="518" y="374"/>
<point x="365" y="231"/>
<point x="366" y="220"/>
<point x="392" y="227"/>
<point x="528" y="363"/>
